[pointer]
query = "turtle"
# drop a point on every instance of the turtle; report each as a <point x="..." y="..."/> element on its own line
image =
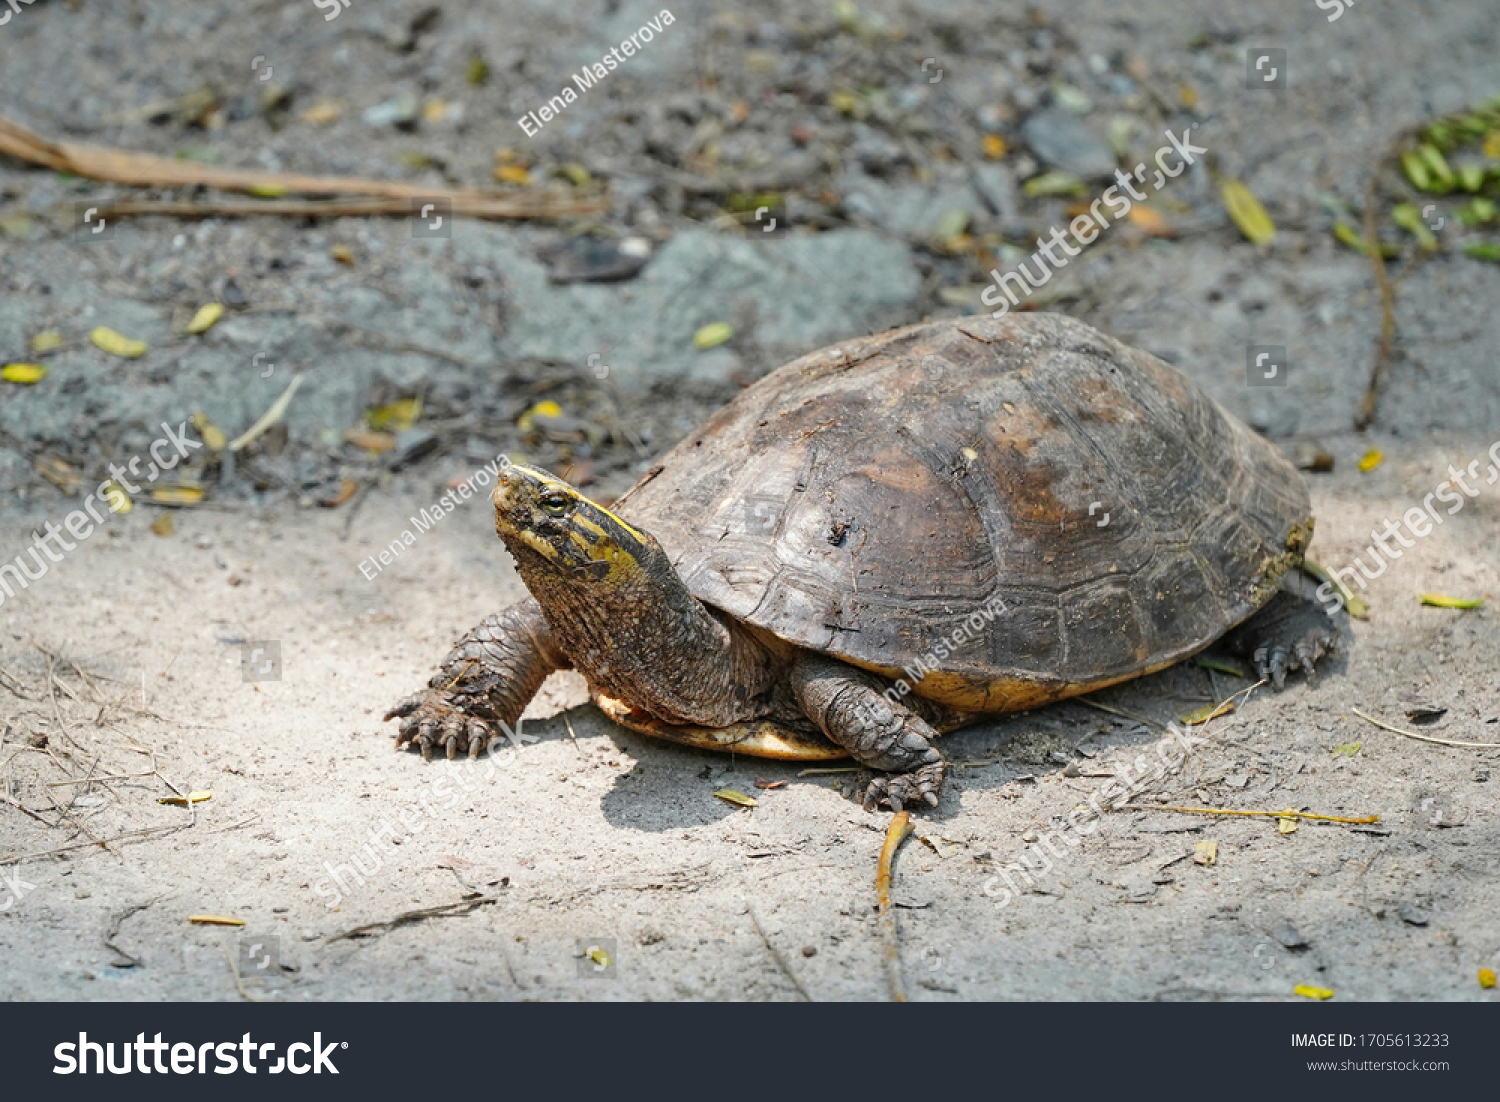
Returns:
<point x="884" y="540"/>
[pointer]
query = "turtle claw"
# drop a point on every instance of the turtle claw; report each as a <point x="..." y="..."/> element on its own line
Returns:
<point x="1293" y="632"/>
<point x="429" y="720"/>
<point x="896" y="790"/>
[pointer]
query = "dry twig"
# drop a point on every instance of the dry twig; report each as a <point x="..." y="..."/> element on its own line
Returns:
<point x="895" y="834"/>
<point x="119" y="166"/>
<point x="777" y="955"/>
<point x="1288" y="814"/>
<point x="447" y="910"/>
<point x="1427" y="738"/>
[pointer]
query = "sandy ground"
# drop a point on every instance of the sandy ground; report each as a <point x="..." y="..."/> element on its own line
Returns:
<point x="595" y="836"/>
<point x="125" y="671"/>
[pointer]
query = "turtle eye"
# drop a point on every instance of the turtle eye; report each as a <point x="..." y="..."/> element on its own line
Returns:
<point x="555" y="504"/>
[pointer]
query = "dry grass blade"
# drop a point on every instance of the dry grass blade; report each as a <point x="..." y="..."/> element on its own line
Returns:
<point x="895" y="834"/>
<point x="777" y="955"/>
<point x="239" y="984"/>
<point x="114" y="931"/>
<point x="1427" y="738"/>
<point x="148" y="170"/>
<point x="1366" y="415"/>
<point x="1287" y="814"/>
<point x="447" y="910"/>
<point x="14" y="858"/>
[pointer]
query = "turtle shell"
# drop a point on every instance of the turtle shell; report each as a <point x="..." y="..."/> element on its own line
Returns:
<point x="1000" y="512"/>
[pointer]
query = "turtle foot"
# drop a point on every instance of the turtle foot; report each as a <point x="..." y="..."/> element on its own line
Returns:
<point x="925" y="783"/>
<point x="1292" y="632"/>
<point x="429" y="719"/>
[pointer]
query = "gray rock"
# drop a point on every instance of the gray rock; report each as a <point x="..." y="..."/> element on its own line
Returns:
<point x="802" y="291"/>
<point x="910" y="210"/>
<point x="1289" y="936"/>
<point x="1064" y="141"/>
<point x="1412" y="916"/>
<point x="998" y="188"/>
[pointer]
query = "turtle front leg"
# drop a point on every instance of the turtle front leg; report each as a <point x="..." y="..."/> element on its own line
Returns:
<point x="483" y="685"/>
<point x="1294" y="630"/>
<point x="849" y="706"/>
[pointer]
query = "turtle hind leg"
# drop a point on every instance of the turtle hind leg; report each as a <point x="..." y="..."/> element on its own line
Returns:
<point x="849" y="706"/>
<point x="1293" y="631"/>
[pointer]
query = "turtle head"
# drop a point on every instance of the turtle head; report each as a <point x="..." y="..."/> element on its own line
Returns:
<point x="556" y="533"/>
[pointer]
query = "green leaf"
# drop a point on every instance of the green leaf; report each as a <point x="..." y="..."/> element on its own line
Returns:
<point x="1409" y="218"/>
<point x="1054" y="184"/>
<point x="1416" y="170"/>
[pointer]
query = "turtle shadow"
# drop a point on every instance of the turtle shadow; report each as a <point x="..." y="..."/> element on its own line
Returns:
<point x="673" y="787"/>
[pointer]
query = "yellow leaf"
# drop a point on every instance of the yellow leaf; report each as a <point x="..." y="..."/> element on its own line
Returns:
<point x="371" y="441"/>
<point x="1205" y="853"/>
<point x="1054" y="183"/>
<point x="116" y="498"/>
<point x="164" y="525"/>
<point x="397" y="416"/>
<point x="1486" y="976"/>
<point x="1354" y="603"/>
<point x="216" y="920"/>
<point x="321" y="114"/>
<point x="191" y="798"/>
<point x="1187" y="95"/>
<point x="1285" y="825"/>
<point x="212" y="435"/>
<point x="547" y="410"/>
<point x="1220" y="667"/>
<point x="477" y="72"/>
<point x="434" y="110"/>
<point x="513" y="174"/>
<point x="23" y="373"/>
<point x="1308" y="992"/>
<point x="848" y="103"/>
<point x="598" y="956"/>
<point x="46" y="341"/>
<point x="1442" y="600"/>
<point x="116" y="344"/>
<point x="1152" y="221"/>
<point x="267" y="191"/>
<point x="178" y="495"/>
<point x="577" y="175"/>
<point x="1492" y="145"/>
<point x="1245" y="209"/>
<point x="729" y="795"/>
<point x="1208" y="712"/>
<point x="713" y="334"/>
<point x="994" y="146"/>
<point x="204" y="319"/>
<point x="342" y="253"/>
<point x="1370" y="460"/>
